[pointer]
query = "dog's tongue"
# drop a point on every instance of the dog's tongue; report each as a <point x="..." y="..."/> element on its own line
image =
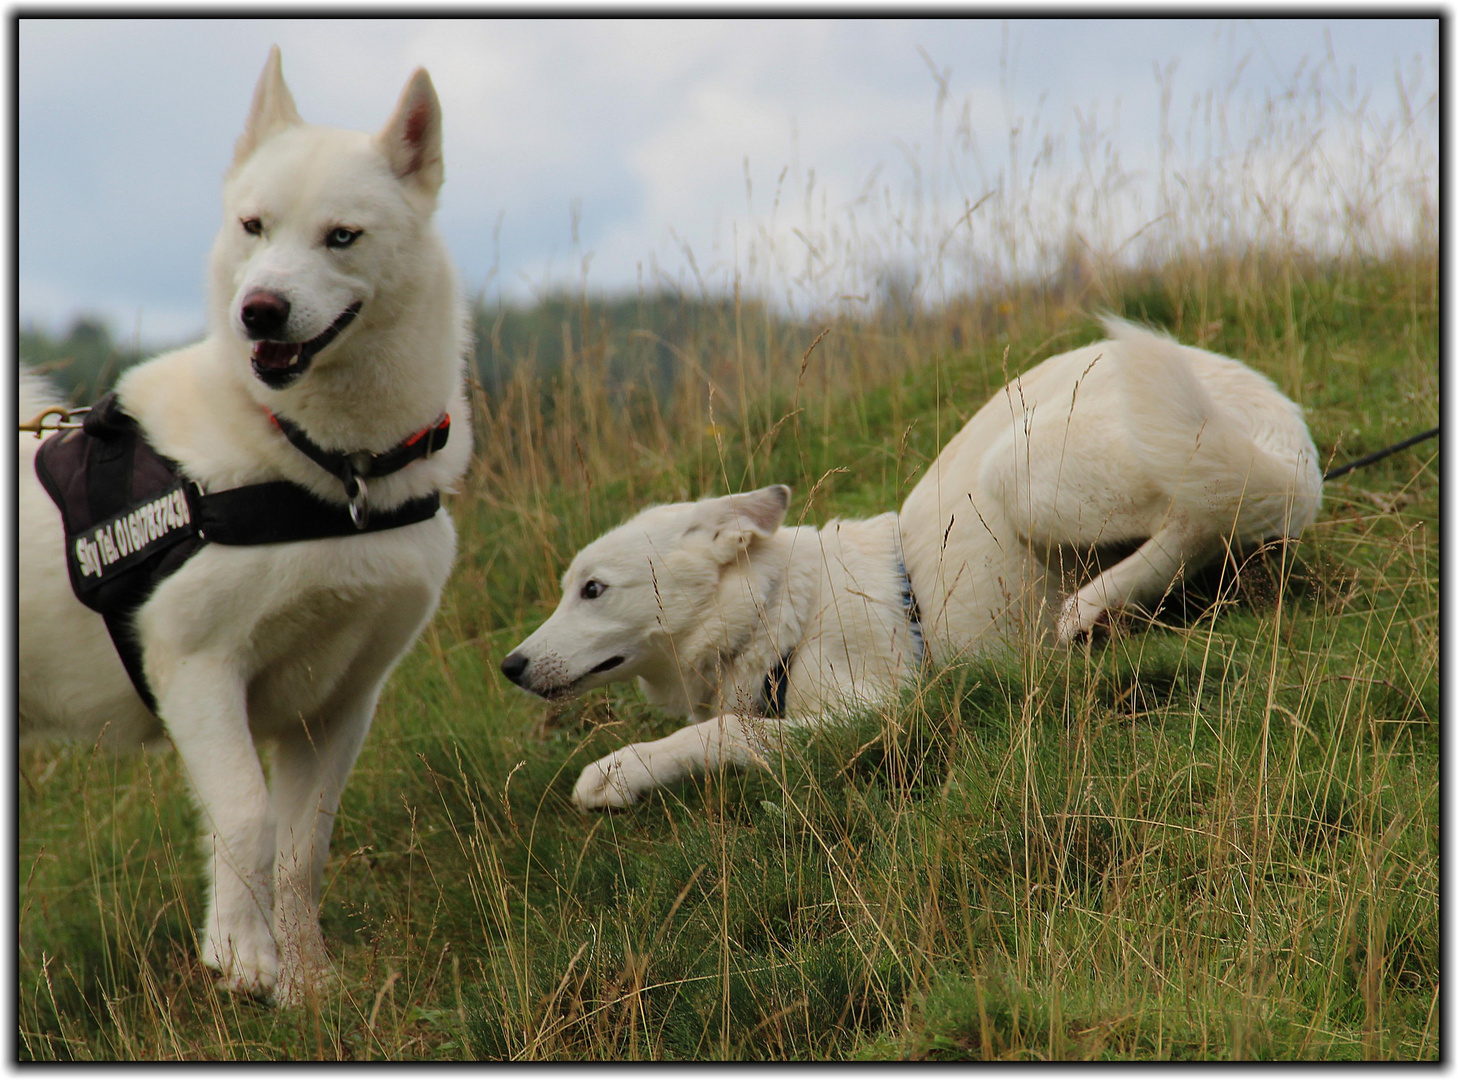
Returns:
<point x="274" y="355"/>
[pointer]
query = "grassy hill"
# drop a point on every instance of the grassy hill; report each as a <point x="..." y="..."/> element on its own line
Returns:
<point x="1214" y="837"/>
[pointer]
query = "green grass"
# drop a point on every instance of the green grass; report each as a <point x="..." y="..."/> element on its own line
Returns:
<point x="1215" y="837"/>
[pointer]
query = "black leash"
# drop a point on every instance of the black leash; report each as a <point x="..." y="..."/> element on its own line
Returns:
<point x="1380" y="454"/>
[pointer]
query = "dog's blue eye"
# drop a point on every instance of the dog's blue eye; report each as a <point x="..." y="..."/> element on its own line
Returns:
<point x="342" y="237"/>
<point x="252" y="226"/>
<point x="592" y="590"/>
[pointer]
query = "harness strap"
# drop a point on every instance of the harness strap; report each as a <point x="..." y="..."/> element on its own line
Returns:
<point x="912" y="609"/>
<point x="772" y="693"/>
<point x="281" y="512"/>
<point x="777" y="680"/>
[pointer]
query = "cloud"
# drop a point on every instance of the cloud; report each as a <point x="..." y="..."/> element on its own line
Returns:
<point x="640" y="129"/>
<point x="54" y="307"/>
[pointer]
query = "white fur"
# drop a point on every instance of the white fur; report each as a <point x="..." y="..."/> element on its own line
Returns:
<point x="289" y="643"/>
<point x="1135" y="441"/>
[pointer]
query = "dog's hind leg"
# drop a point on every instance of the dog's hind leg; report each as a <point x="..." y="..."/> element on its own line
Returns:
<point x="1140" y="580"/>
<point x="631" y="771"/>
<point x="204" y="708"/>
<point x="1149" y="453"/>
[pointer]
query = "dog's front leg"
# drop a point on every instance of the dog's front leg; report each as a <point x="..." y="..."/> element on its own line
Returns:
<point x="204" y="707"/>
<point x="625" y="774"/>
<point x="311" y="765"/>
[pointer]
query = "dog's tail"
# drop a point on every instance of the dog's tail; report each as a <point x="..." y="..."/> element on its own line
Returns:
<point x="1254" y="461"/>
<point x="36" y="393"/>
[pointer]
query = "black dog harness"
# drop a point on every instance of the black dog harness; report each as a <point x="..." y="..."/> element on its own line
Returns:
<point x="132" y="519"/>
<point x="777" y="680"/>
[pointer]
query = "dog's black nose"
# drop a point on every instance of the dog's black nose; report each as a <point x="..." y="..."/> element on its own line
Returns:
<point x="264" y="314"/>
<point x="514" y="666"/>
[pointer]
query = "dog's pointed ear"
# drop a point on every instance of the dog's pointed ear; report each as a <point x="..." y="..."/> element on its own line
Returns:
<point x="410" y="139"/>
<point x="273" y="109"/>
<point x="731" y="523"/>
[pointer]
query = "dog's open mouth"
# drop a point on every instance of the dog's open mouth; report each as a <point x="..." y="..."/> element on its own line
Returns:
<point x="562" y="691"/>
<point x="557" y="692"/>
<point x="278" y="363"/>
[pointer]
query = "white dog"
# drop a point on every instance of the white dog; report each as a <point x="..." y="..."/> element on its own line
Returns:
<point x="336" y="337"/>
<point x="1137" y="446"/>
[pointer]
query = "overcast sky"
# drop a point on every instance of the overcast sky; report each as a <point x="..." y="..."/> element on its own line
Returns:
<point x="655" y="137"/>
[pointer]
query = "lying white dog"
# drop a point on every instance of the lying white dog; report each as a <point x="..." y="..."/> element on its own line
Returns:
<point x="316" y="407"/>
<point x="1136" y="443"/>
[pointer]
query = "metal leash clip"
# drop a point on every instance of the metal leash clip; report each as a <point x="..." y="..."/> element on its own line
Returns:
<point x="359" y="501"/>
<point x="64" y="420"/>
<point x="356" y="467"/>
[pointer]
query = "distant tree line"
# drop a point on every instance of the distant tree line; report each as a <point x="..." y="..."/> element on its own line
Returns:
<point x="83" y="362"/>
<point x="642" y="339"/>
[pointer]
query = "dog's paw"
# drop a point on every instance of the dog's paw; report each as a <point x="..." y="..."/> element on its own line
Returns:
<point x="246" y="960"/>
<point x="612" y="782"/>
<point x="303" y="960"/>
<point x="1078" y="619"/>
<point x="298" y="980"/>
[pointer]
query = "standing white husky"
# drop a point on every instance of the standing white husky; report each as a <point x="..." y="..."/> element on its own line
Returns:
<point x="336" y="338"/>
<point x="1138" y="442"/>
